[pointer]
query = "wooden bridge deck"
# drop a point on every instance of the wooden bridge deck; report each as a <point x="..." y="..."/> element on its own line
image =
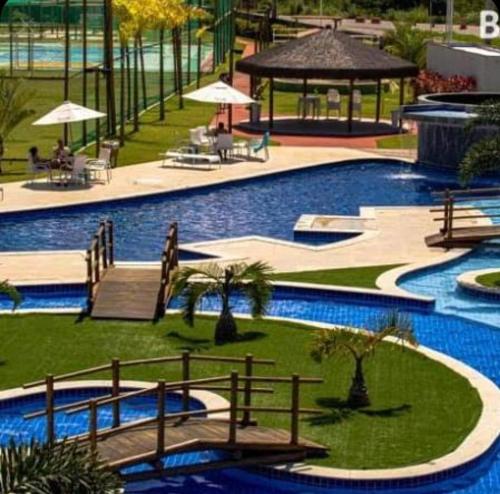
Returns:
<point x="140" y="444"/>
<point x="464" y="237"/>
<point x="127" y="293"/>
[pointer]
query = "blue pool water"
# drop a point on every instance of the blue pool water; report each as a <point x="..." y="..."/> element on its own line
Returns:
<point x="13" y="425"/>
<point x="53" y="53"/>
<point x="268" y="206"/>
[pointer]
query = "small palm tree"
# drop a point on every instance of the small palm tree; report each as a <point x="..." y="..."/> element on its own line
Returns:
<point x="408" y="43"/>
<point x="252" y="280"/>
<point x="7" y="289"/>
<point x="14" y="99"/>
<point x="57" y="469"/>
<point x="331" y="342"/>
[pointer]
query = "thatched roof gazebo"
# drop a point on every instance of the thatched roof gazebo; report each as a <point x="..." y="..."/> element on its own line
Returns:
<point x="329" y="55"/>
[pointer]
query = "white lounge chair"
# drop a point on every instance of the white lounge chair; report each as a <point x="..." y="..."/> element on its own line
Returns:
<point x="333" y="102"/>
<point x="186" y="155"/>
<point x="102" y="164"/>
<point x="224" y="144"/>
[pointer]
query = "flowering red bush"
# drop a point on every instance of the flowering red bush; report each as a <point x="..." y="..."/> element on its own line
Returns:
<point x="432" y="82"/>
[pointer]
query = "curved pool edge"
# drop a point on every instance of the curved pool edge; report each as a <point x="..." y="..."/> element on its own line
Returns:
<point x="476" y="445"/>
<point x="206" y="398"/>
<point x="468" y="281"/>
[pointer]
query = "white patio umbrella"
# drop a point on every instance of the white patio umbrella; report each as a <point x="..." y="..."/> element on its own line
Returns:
<point x="221" y="93"/>
<point x="69" y="113"/>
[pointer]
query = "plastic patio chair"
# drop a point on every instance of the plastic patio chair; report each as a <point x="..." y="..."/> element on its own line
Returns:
<point x="333" y="102"/>
<point x="101" y="164"/>
<point x="38" y="168"/>
<point x="258" y="145"/>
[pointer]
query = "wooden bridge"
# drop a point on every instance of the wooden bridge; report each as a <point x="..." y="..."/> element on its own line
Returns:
<point x="452" y="236"/>
<point x="229" y="427"/>
<point x="118" y="292"/>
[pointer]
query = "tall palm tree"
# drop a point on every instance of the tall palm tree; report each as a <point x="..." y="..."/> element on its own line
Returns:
<point x="332" y="342"/>
<point x="7" y="289"/>
<point x="14" y="100"/>
<point x="54" y="469"/>
<point x="251" y="280"/>
<point x="408" y="43"/>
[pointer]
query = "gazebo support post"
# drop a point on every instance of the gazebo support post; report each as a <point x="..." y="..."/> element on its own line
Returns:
<point x="379" y="98"/>
<point x="304" y="98"/>
<point x="349" y="114"/>
<point x="401" y="97"/>
<point x="271" y="103"/>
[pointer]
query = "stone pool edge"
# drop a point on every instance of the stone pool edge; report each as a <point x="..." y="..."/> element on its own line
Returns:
<point x="468" y="282"/>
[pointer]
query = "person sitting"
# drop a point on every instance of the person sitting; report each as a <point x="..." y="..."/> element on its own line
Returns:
<point x="62" y="155"/>
<point x="221" y="130"/>
<point x="36" y="164"/>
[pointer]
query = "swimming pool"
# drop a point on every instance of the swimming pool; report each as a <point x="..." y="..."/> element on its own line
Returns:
<point x="53" y="53"/>
<point x="266" y="206"/>
<point x="270" y="206"/>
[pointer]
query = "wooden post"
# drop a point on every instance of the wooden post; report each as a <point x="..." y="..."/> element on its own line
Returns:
<point x="115" y="372"/>
<point x="67" y="54"/>
<point x="294" y="426"/>
<point x="304" y="99"/>
<point x="160" y="443"/>
<point x="84" y="67"/>
<point x="90" y="281"/>
<point x="111" y="244"/>
<point x="247" y="397"/>
<point x="104" y="246"/>
<point x="49" y="400"/>
<point x="97" y="274"/>
<point x="93" y="424"/>
<point x="446" y="211"/>
<point x="379" y="97"/>
<point x="97" y="105"/>
<point x="233" y="412"/>
<point x="271" y="103"/>
<point x="449" y="232"/>
<point x="350" y="107"/>
<point x="185" y="377"/>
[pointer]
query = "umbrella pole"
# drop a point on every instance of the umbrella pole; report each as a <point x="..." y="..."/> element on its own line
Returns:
<point x="230" y="118"/>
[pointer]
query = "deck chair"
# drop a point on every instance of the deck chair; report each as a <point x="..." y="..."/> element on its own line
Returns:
<point x="102" y="164"/>
<point x="333" y="102"/>
<point x="257" y="145"/>
<point x="224" y="144"/>
<point x="357" y="101"/>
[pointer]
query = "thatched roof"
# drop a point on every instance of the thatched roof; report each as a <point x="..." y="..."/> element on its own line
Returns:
<point x="326" y="54"/>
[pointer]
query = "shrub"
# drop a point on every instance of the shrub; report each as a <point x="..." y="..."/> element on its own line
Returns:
<point x="432" y="82"/>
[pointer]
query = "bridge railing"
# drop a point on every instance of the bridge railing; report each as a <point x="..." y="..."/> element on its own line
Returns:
<point x="95" y="434"/>
<point x="451" y="213"/>
<point x="169" y="264"/>
<point x="99" y="257"/>
<point x="115" y="366"/>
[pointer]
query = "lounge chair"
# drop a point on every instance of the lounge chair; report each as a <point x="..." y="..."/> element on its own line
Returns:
<point x="102" y="164"/>
<point x="257" y="145"/>
<point x="186" y="155"/>
<point x="224" y="144"/>
<point x="333" y="102"/>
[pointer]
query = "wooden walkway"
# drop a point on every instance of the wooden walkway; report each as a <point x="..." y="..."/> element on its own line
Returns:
<point x="228" y="426"/>
<point x="125" y="292"/>
<point x="136" y="445"/>
<point x="450" y="236"/>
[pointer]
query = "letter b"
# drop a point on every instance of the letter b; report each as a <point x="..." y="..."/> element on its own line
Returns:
<point x="488" y="26"/>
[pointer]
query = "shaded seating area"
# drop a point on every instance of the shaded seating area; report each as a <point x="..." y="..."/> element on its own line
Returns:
<point x="332" y="56"/>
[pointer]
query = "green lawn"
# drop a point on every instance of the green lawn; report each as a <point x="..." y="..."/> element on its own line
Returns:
<point x="403" y="141"/>
<point x="364" y="277"/>
<point x="421" y="409"/>
<point x="491" y="280"/>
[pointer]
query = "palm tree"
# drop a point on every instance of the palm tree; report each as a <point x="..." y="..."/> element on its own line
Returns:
<point x="54" y="469"/>
<point x="252" y="280"/>
<point x="331" y="342"/>
<point x="7" y="289"/>
<point x="408" y="43"/>
<point x="14" y="99"/>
